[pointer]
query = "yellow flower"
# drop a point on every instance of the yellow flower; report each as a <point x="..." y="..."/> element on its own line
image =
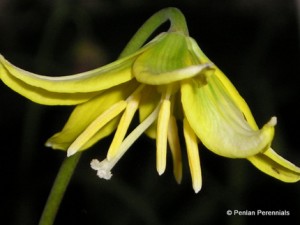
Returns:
<point x="166" y="81"/>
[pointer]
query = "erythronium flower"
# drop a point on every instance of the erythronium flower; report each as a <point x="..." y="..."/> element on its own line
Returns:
<point x="167" y="80"/>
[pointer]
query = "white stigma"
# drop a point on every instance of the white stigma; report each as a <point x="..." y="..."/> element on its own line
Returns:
<point x="103" y="168"/>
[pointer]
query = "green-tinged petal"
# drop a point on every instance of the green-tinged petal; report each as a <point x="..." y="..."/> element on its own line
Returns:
<point x="200" y="57"/>
<point x="84" y="114"/>
<point x="94" y="80"/>
<point x="276" y="166"/>
<point x="238" y="100"/>
<point x="150" y="100"/>
<point x="219" y="122"/>
<point x="167" y="62"/>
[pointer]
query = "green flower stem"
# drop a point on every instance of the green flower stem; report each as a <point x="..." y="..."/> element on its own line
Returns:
<point x="58" y="189"/>
<point x="178" y="24"/>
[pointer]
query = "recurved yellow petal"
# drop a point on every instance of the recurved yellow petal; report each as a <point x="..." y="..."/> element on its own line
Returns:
<point x="72" y="89"/>
<point x="219" y="121"/>
<point x="41" y="95"/>
<point x="276" y="166"/>
<point x="42" y="89"/>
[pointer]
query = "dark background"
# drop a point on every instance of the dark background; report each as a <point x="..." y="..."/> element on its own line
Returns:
<point x="256" y="43"/>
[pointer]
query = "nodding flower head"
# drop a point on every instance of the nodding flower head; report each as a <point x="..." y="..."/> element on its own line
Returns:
<point x="167" y="81"/>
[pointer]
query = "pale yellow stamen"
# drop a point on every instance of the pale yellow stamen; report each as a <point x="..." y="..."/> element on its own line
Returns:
<point x="104" y="167"/>
<point x="132" y="106"/>
<point x="174" y="143"/>
<point x="95" y="126"/>
<point x="162" y="134"/>
<point x="193" y="155"/>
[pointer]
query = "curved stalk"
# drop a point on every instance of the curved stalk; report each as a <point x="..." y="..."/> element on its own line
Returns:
<point x="174" y="15"/>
